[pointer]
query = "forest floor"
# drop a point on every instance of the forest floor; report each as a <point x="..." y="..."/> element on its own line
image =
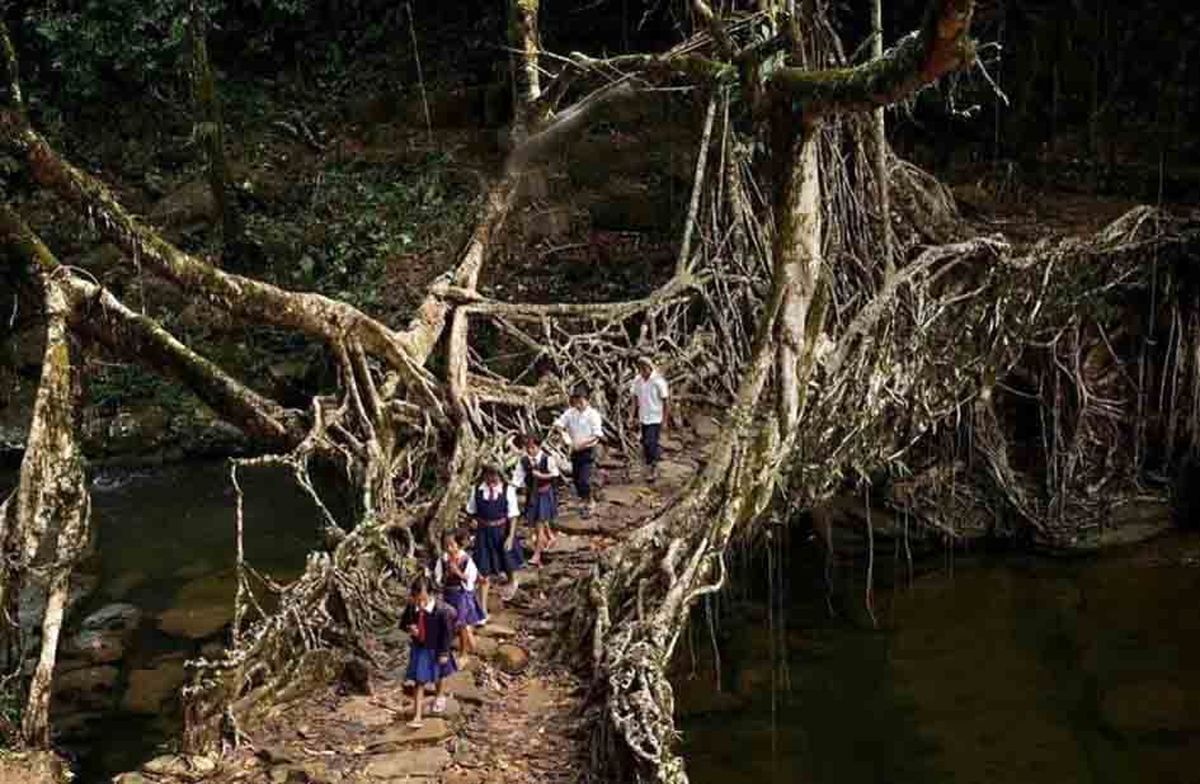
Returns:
<point x="514" y="709"/>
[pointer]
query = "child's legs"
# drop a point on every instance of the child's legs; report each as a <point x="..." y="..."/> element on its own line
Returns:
<point x="582" y="473"/>
<point x="419" y="699"/>
<point x="467" y="639"/>
<point x="484" y="584"/>
<point x="650" y="443"/>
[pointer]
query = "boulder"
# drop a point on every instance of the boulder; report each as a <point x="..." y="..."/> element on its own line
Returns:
<point x="88" y="688"/>
<point x="461" y="686"/>
<point x="494" y="629"/>
<point x="485" y="646"/>
<point x="114" y="616"/>
<point x="403" y="765"/>
<point x="96" y="646"/>
<point x="131" y="778"/>
<point x="181" y="766"/>
<point x="149" y="688"/>
<point x="512" y="658"/>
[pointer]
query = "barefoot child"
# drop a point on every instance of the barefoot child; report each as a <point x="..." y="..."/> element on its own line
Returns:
<point x="431" y="624"/>
<point x="536" y="472"/>
<point x="456" y="574"/>
<point x="493" y="508"/>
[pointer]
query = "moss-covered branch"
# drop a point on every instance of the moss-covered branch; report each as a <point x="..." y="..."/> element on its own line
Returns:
<point x="312" y="314"/>
<point x="941" y="46"/>
<point x="96" y="312"/>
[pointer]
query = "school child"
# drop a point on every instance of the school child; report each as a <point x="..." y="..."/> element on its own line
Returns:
<point x="431" y="625"/>
<point x="583" y="429"/>
<point x="494" y="513"/>
<point x="537" y="472"/>
<point x="652" y="409"/>
<point x="455" y="572"/>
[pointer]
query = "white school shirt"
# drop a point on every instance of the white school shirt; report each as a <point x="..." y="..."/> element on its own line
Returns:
<point x="581" y="425"/>
<point x="651" y="394"/>
<point x="470" y="574"/>
<point x="519" y="478"/>
<point x="491" y="492"/>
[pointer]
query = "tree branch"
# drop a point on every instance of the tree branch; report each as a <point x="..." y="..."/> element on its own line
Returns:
<point x="942" y="45"/>
<point x="98" y="313"/>
<point x="306" y="312"/>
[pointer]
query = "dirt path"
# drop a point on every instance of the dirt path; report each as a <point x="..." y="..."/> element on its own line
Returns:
<point x="513" y="714"/>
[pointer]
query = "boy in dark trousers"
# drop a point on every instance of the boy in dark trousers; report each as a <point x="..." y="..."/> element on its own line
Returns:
<point x="652" y="409"/>
<point x="583" y="428"/>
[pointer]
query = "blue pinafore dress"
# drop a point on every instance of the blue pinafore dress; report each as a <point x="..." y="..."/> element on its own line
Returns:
<point x="490" y="556"/>
<point x="541" y="503"/>
<point x="466" y="606"/>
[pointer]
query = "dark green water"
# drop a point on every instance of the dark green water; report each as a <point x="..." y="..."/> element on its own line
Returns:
<point x="166" y="544"/>
<point x="982" y="669"/>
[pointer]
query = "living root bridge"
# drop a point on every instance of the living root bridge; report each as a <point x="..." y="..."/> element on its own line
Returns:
<point x="840" y="366"/>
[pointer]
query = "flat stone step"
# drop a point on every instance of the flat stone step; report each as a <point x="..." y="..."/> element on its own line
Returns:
<point x="406" y="765"/>
<point x="402" y="736"/>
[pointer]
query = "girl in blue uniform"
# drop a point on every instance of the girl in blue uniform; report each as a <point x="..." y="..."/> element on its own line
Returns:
<point x="495" y="514"/>
<point x="431" y="625"/>
<point x="536" y="473"/>
<point x="456" y="574"/>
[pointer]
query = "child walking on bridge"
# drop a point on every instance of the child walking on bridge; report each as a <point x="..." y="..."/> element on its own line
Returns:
<point x="456" y="573"/>
<point x="652" y="409"/>
<point x="583" y="428"/>
<point x="431" y="625"/>
<point x="536" y="473"/>
<point x="494" y="511"/>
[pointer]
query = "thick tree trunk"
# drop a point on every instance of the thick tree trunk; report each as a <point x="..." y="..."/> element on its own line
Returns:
<point x="52" y="501"/>
<point x="798" y="256"/>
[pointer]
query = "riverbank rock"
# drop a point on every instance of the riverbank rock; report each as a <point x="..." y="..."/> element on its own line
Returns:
<point x="149" y="688"/>
<point x="87" y="687"/>
<point x="96" y="646"/>
<point x="114" y="616"/>
<point x="181" y="767"/>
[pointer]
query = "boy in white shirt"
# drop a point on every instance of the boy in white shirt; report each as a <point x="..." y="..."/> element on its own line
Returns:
<point x="652" y="408"/>
<point x="583" y="429"/>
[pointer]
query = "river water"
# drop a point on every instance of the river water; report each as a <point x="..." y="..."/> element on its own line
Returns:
<point x="165" y="543"/>
<point x="978" y="669"/>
